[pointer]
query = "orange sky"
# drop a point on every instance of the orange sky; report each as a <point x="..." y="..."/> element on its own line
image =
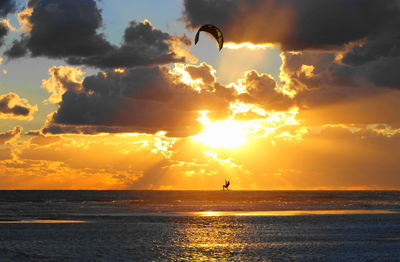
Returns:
<point x="308" y="121"/>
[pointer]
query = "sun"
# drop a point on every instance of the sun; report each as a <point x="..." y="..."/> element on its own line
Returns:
<point x="231" y="133"/>
<point x="223" y="134"/>
<point x="228" y="133"/>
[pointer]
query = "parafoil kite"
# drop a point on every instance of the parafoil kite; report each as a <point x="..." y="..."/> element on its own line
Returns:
<point x="214" y="31"/>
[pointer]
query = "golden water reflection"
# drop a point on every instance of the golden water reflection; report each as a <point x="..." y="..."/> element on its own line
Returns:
<point x="213" y="239"/>
<point x="225" y="236"/>
<point x="289" y="212"/>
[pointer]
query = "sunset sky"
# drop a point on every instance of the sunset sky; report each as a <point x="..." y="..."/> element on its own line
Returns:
<point x="113" y="94"/>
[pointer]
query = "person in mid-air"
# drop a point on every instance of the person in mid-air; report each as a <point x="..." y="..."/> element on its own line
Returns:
<point x="227" y="183"/>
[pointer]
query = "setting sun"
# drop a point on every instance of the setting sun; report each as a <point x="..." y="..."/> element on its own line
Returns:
<point x="231" y="133"/>
<point x="223" y="134"/>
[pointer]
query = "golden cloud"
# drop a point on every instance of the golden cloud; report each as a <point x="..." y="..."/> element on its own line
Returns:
<point x="62" y="79"/>
<point x="24" y="19"/>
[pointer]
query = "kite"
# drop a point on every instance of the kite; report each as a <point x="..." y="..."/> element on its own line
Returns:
<point x="214" y="31"/>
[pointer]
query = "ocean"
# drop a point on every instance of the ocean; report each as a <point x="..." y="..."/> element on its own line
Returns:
<point x="199" y="226"/>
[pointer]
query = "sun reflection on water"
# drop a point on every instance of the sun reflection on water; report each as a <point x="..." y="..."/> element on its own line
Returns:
<point x="247" y="235"/>
<point x="289" y="212"/>
<point x="211" y="239"/>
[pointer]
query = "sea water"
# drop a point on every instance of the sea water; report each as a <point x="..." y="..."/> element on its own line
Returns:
<point x="199" y="225"/>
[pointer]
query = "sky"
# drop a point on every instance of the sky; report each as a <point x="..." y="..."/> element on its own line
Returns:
<point x="114" y="94"/>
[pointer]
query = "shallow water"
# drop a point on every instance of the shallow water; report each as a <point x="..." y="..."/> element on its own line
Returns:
<point x="196" y="226"/>
<point x="42" y="221"/>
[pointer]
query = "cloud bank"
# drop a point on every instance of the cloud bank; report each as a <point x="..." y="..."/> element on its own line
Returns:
<point x="69" y="30"/>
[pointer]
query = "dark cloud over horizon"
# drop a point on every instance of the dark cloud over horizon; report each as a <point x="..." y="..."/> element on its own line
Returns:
<point x="144" y="100"/>
<point x="149" y="100"/>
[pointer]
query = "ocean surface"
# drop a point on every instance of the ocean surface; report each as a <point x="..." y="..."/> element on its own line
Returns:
<point x="199" y="226"/>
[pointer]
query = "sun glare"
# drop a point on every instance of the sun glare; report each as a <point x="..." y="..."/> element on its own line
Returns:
<point x="232" y="133"/>
<point x="226" y="134"/>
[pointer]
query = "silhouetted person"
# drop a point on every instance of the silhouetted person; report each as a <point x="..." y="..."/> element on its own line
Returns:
<point x="227" y="183"/>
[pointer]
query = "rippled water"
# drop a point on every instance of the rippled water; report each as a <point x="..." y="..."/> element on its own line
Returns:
<point x="199" y="225"/>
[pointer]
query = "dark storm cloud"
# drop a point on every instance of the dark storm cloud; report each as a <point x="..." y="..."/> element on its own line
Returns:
<point x="326" y="81"/>
<point x="32" y="3"/>
<point x="6" y="7"/>
<point x="331" y="81"/>
<point x="315" y="71"/>
<point x="144" y="100"/>
<point x="295" y="24"/>
<point x="62" y="28"/>
<point x="365" y="32"/>
<point x="383" y="46"/>
<point x="11" y="134"/>
<point x="142" y="45"/>
<point x="18" y="48"/>
<point x="68" y="29"/>
<point x="3" y="33"/>
<point x="149" y="100"/>
<point x="329" y="91"/>
<point x="59" y="129"/>
<point x="382" y="72"/>
<point x="12" y="106"/>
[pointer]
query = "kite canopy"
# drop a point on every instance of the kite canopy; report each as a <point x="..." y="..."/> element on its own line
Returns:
<point x="214" y="31"/>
